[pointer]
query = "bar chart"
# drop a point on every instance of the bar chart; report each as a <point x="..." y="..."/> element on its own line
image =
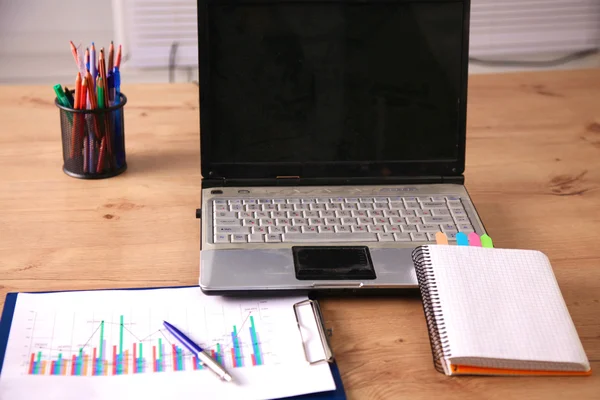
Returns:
<point x="101" y="344"/>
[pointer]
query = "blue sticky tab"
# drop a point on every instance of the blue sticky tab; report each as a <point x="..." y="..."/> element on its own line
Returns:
<point x="461" y="239"/>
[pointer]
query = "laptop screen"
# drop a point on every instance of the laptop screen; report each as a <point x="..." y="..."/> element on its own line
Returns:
<point x="331" y="82"/>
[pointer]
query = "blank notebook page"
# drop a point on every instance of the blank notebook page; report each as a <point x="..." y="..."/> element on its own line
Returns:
<point x="503" y="304"/>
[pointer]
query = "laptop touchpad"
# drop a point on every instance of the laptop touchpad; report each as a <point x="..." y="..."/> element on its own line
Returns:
<point x="333" y="263"/>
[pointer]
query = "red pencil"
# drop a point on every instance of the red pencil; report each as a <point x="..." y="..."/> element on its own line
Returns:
<point x="74" y="51"/>
<point x="118" y="61"/>
<point x="76" y="106"/>
<point x="111" y="56"/>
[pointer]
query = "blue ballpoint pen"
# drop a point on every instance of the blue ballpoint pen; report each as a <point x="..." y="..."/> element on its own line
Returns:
<point x="196" y="350"/>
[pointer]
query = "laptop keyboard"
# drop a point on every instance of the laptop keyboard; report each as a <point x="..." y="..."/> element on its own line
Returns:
<point x="338" y="219"/>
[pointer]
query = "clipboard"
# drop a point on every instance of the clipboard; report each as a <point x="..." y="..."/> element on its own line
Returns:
<point x="338" y="394"/>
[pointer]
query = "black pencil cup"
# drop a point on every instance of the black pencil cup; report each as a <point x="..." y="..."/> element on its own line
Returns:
<point x="93" y="141"/>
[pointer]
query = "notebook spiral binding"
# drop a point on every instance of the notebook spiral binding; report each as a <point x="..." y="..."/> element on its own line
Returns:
<point x="438" y="337"/>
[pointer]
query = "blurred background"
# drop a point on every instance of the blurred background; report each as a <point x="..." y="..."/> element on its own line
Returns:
<point x="159" y="37"/>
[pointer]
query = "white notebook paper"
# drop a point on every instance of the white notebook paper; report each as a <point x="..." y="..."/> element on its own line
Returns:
<point x="496" y="311"/>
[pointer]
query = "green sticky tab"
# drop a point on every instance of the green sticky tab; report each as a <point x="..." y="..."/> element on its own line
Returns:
<point x="486" y="241"/>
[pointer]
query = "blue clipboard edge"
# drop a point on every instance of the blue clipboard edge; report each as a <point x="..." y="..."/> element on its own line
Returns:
<point x="11" y="302"/>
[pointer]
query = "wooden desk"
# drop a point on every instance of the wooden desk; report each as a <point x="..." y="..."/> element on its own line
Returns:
<point x="533" y="169"/>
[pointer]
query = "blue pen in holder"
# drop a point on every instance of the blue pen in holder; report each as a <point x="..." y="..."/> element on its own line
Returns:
<point x="93" y="141"/>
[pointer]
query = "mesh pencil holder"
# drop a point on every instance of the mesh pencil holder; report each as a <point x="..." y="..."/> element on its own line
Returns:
<point x="93" y="141"/>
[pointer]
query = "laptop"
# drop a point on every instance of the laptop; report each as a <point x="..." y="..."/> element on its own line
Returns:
<point x="332" y="141"/>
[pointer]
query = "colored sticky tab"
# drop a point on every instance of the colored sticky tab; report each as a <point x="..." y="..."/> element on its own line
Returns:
<point x="461" y="239"/>
<point x="486" y="241"/>
<point x="474" y="240"/>
<point x="441" y="238"/>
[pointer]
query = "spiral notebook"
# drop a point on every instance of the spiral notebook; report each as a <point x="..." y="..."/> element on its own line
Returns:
<point x="496" y="312"/>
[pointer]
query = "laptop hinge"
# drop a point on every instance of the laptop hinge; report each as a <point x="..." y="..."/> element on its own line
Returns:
<point x="297" y="181"/>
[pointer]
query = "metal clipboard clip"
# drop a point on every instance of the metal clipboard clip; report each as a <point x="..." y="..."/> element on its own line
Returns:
<point x="316" y="310"/>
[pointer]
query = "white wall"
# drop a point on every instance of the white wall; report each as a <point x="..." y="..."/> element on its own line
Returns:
<point x="35" y="34"/>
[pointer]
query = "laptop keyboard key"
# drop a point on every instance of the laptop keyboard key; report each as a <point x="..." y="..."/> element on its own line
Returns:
<point x="402" y="237"/>
<point x="446" y="228"/>
<point x="408" y="228"/>
<point x="418" y="237"/>
<point x="431" y="236"/>
<point x="465" y="228"/>
<point x="221" y="238"/>
<point x="292" y="229"/>
<point x="451" y="236"/>
<point x="250" y="222"/>
<point x="310" y="229"/>
<point x="407" y="213"/>
<point x="433" y="204"/>
<point x="228" y="222"/>
<point x="413" y="220"/>
<point x="412" y="205"/>
<point x="428" y="228"/>
<point x="259" y="229"/>
<point x="437" y="220"/>
<point x="311" y="214"/>
<point x="342" y="229"/>
<point x="330" y="237"/>
<point x="232" y="230"/>
<point x="226" y="214"/>
<point x="256" y="238"/>
<point x="397" y="206"/>
<point x="239" y="238"/>
<point x="440" y="212"/>
<point x="462" y="220"/>
<point x="273" y="238"/>
<point x="385" y="237"/>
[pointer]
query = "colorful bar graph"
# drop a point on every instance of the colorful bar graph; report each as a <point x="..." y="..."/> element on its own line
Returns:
<point x="110" y="357"/>
<point x="238" y="361"/>
<point x="257" y="356"/>
<point x="31" y="364"/>
<point x="86" y="360"/>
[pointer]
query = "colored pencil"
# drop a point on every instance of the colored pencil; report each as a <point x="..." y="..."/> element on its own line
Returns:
<point x="87" y="58"/>
<point x="93" y="64"/>
<point x="74" y="52"/>
<point x="111" y="56"/>
<point x="75" y="127"/>
<point x="118" y="61"/>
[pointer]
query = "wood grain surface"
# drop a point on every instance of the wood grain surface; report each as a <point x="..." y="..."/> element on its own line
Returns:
<point x="533" y="170"/>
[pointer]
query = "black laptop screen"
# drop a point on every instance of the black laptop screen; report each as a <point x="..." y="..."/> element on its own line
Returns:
<point x="334" y="81"/>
